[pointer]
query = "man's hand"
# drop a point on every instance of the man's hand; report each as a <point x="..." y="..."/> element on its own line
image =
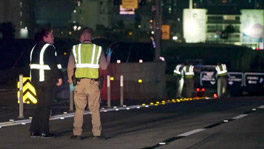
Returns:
<point x="72" y="87"/>
<point x="59" y="83"/>
<point x="109" y="53"/>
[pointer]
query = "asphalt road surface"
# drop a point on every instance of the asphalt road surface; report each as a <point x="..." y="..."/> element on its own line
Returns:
<point x="200" y="124"/>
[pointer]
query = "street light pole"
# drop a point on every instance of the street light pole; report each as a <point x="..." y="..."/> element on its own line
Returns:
<point x="190" y="4"/>
<point x="157" y="28"/>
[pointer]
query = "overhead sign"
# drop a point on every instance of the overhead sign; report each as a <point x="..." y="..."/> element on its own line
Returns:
<point x="125" y="11"/>
<point x="29" y="91"/>
<point x="165" y="32"/>
<point x="130" y="4"/>
<point x="235" y="79"/>
<point x="254" y="79"/>
<point x="194" y="25"/>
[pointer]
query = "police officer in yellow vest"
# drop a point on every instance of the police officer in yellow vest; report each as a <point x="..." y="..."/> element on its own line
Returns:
<point x="189" y="79"/>
<point x="178" y="73"/>
<point x="87" y="58"/>
<point x="222" y="75"/>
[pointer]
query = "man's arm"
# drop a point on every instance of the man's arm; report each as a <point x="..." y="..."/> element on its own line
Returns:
<point x="104" y="62"/>
<point x="71" y="66"/>
<point x="52" y="61"/>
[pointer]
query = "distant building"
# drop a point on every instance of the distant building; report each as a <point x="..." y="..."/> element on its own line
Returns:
<point x="102" y="14"/>
<point x="92" y="13"/>
<point x="226" y="21"/>
<point x="19" y="13"/>
<point x="55" y="14"/>
<point x="29" y="15"/>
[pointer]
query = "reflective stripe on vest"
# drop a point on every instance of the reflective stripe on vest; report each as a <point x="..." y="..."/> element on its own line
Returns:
<point x="87" y="58"/>
<point x="41" y="66"/>
<point x="221" y="70"/>
<point x="188" y="71"/>
<point x="177" y="69"/>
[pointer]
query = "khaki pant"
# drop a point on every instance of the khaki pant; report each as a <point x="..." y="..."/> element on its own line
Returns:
<point x="87" y="89"/>
<point x="189" y="84"/>
<point x="221" y="86"/>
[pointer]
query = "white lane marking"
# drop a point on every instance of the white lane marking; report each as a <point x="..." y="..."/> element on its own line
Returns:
<point x="65" y="115"/>
<point x="7" y="124"/>
<point x="239" y="116"/>
<point x="261" y="107"/>
<point x="162" y="143"/>
<point x="191" y="132"/>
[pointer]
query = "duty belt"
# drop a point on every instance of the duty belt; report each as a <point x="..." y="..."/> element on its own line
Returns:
<point x="79" y="79"/>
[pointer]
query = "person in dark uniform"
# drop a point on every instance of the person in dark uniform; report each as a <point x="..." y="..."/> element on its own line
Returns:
<point x="45" y="76"/>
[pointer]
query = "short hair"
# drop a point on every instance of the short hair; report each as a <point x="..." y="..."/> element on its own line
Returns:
<point x="87" y="30"/>
<point x="41" y="33"/>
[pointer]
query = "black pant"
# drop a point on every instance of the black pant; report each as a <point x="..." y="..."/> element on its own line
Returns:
<point x="40" y="120"/>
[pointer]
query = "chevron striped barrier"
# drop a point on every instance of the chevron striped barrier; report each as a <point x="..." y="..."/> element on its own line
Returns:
<point x="29" y="91"/>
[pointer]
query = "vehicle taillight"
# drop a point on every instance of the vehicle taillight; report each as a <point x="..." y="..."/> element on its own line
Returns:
<point x="215" y="95"/>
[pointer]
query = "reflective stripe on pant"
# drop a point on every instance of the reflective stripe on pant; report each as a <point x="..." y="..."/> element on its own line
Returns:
<point x="179" y="86"/>
<point x="87" y="89"/>
<point x="221" y="86"/>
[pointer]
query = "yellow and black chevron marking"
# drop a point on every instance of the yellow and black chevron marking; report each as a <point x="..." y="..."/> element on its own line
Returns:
<point x="29" y="91"/>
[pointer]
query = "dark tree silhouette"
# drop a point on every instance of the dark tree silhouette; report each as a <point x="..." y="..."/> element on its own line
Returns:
<point x="7" y="30"/>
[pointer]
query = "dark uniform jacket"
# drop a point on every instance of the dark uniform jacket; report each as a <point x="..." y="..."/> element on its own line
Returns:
<point x="51" y="76"/>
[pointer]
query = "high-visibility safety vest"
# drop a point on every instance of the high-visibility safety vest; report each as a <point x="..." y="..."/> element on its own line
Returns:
<point x="188" y="71"/>
<point x="87" y="59"/>
<point x="177" y="71"/>
<point x="42" y="67"/>
<point x="221" y="70"/>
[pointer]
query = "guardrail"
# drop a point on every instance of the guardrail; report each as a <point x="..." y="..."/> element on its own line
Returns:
<point x="235" y="79"/>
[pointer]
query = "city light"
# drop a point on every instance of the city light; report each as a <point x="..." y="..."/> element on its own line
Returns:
<point x="162" y="58"/>
<point x="174" y="38"/>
